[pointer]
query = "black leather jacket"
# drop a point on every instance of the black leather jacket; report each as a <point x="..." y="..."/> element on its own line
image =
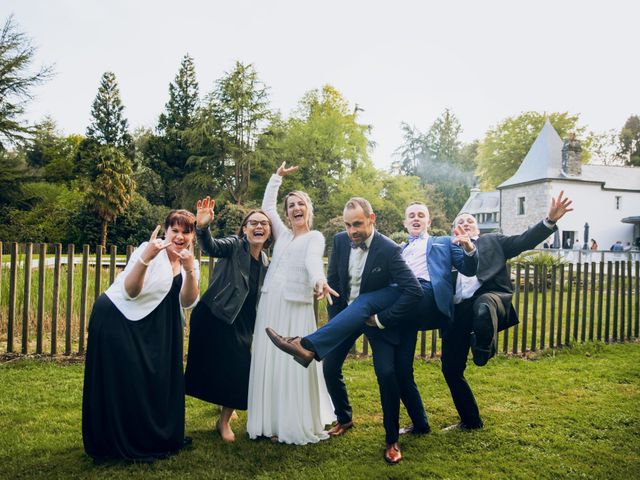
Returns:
<point x="230" y="284"/>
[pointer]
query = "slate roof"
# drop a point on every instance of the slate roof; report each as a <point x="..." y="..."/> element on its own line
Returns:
<point x="482" y="202"/>
<point x="544" y="161"/>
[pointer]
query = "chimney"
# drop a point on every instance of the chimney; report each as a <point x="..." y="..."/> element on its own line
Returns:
<point x="571" y="150"/>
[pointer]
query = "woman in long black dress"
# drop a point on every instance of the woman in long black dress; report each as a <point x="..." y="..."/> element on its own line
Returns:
<point x="221" y="329"/>
<point x="133" y="396"/>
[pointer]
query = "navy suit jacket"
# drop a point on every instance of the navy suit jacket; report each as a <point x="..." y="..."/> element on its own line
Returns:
<point x="384" y="266"/>
<point x="442" y="257"/>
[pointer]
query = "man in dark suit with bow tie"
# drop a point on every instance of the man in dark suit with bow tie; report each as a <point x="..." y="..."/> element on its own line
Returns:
<point x="362" y="265"/>
<point x="483" y="305"/>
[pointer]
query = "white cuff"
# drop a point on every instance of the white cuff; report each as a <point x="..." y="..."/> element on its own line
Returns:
<point x="380" y="326"/>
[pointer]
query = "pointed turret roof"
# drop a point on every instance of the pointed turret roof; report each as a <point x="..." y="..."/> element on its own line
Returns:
<point x="544" y="159"/>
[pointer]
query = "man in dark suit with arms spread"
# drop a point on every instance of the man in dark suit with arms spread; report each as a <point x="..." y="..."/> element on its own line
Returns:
<point x="483" y="304"/>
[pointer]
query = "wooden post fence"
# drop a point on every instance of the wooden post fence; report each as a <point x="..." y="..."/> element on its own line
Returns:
<point x="557" y="305"/>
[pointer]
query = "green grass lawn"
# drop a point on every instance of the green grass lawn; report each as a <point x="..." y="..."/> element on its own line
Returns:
<point x="569" y="414"/>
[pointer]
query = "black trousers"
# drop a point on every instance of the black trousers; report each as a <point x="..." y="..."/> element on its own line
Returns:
<point x="455" y="351"/>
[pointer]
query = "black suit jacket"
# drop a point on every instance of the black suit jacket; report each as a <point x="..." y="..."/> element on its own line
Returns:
<point x="384" y="266"/>
<point x="493" y="252"/>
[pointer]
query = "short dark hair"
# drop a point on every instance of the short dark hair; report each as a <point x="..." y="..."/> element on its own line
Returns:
<point x="184" y="218"/>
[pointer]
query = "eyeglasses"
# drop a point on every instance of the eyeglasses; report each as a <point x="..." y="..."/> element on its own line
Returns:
<point x="255" y="223"/>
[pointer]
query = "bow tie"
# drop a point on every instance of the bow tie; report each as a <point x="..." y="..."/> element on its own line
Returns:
<point x="361" y="245"/>
<point x="413" y="238"/>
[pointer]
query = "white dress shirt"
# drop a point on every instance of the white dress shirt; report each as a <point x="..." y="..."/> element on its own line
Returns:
<point x="415" y="254"/>
<point x="357" y="259"/>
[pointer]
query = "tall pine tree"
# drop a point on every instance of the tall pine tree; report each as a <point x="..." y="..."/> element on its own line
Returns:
<point x="108" y="125"/>
<point x="17" y="79"/>
<point x="180" y="110"/>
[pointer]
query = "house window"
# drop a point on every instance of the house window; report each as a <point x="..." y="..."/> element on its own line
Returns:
<point x="618" y="202"/>
<point x="521" y="205"/>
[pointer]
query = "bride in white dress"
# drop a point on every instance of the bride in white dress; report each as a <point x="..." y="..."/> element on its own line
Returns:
<point x="286" y="401"/>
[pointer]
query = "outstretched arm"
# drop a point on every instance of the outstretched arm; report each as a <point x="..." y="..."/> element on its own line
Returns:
<point x="516" y="244"/>
<point x="270" y="199"/>
<point x="210" y="246"/>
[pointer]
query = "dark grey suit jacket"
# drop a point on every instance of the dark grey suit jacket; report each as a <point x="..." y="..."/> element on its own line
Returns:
<point x="493" y="252"/>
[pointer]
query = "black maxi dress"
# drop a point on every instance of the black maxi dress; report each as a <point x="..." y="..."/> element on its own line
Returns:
<point x="219" y="354"/>
<point x="133" y="397"/>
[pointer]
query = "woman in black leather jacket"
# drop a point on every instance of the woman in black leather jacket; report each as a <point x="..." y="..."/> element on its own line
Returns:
<point x="222" y="323"/>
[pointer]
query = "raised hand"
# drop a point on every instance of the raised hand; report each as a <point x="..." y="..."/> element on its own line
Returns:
<point x="323" y="290"/>
<point x="283" y="171"/>
<point x="155" y="246"/>
<point x="460" y="237"/>
<point x="204" y="211"/>
<point x="559" y="206"/>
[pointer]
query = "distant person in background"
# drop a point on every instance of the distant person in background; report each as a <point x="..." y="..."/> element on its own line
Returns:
<point x="594" y="244"/>
<point x="617" y="247"/>
<point x="627" y="246"/>
<point x="568" y="244"/>
<point x="576" y="244"/>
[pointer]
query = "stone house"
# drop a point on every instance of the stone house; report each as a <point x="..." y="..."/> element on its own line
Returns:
<point x="606" y="198"/>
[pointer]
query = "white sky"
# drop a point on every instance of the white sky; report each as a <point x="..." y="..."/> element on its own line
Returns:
<point x="399" y="60"/>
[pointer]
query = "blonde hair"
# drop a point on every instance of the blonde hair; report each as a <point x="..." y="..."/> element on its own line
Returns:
<point x="417" y="203"/>
<point x="307" y="201"/>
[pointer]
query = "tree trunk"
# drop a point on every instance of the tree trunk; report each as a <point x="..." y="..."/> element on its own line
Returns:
<point x="103" y="236"/>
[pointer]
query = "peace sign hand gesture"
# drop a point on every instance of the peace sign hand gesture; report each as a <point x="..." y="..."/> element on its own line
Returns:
<point x="155" y="246"/>
<point x="283" y="171"/>
<point x="204" y="211"/>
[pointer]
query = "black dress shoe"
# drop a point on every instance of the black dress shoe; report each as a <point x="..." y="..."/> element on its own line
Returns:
<point x="484" y="336"/>
<point x="463" y="426"/>
<point x="411" y="429"/>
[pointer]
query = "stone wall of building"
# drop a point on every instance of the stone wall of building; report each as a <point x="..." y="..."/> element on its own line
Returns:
<point x="537" y="197"/>
<point x="591" y="203"/>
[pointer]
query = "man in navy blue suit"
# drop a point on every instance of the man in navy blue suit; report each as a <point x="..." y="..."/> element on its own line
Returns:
<point x="363" y="264"/>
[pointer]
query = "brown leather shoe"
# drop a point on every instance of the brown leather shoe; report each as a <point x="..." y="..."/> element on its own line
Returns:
<point x="292" y="346"/>
<point x="340" y="429"/>
<point x="392" y="454"/>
